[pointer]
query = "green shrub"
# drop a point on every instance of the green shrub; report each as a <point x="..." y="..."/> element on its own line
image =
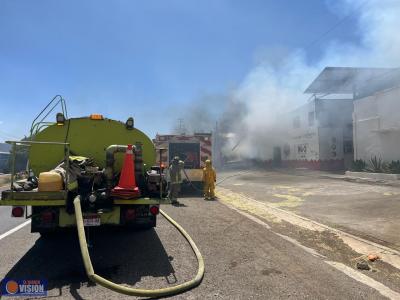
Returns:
<point x="393" y="167"/>
<point x="375" y="165"/>
<point x="358" y="165"/>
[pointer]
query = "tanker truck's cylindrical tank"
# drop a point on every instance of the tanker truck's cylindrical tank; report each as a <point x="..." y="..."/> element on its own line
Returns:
<point x="88" y="138"/>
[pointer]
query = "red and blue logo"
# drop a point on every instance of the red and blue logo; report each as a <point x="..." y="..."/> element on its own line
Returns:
<point x="25" y="287"/>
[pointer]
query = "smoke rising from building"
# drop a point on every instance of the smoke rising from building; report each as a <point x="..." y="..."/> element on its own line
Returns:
<point x="248" y="113"/>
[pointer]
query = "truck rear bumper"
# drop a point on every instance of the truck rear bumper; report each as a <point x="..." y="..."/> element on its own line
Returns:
<point x="60" y="218"/>
<point x="9" y="198"/>
<point x="49" y="210"/>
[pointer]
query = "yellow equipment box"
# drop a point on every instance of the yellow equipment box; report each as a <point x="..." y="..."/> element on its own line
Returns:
<point x="50" y="182"/>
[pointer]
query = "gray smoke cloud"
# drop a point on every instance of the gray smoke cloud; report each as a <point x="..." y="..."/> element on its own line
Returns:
<point x="248" y="113"/>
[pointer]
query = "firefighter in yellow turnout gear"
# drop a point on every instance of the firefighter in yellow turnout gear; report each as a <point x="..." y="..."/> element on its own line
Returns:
<point x="174" y="179"/>
<point x="209" y="179"/>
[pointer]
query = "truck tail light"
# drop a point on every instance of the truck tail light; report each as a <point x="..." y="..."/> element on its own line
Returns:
<point x="18" y="211"/>
<point x="130" y="214"/>
<point x="47" y="217"/>
<point x="154" y="210"/>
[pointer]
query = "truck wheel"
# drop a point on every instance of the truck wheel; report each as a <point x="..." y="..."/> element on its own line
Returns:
<point x="149" y="225"/>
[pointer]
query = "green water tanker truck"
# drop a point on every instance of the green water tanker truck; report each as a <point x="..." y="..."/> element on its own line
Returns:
<point x="83" y="157"/>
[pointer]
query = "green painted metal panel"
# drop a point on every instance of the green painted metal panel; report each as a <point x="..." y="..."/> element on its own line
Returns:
<point x="32" y="195"/>
<point x="88" y="138"/>
<point x="32" y="202"/>
<point x="151" y="201"/>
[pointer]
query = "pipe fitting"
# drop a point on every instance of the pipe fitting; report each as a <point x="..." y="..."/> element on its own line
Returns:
<point x="110" y="160"/>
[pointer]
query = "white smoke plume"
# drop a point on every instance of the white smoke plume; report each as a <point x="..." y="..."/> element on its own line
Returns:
<point x="271" y="89"/>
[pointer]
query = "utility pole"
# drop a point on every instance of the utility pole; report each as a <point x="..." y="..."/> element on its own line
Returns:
<point x="217" y="150"/>
<point x="181" y="126"/>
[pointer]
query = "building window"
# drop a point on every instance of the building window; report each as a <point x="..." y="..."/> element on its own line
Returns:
<point x="302" y="148"/>
<point x="348" y="147"/>
<point x="311" y="118"/>
<point x="296" y="122"/>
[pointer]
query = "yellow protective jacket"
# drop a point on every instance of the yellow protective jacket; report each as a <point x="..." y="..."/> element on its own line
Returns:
<point x="209" y="175"/>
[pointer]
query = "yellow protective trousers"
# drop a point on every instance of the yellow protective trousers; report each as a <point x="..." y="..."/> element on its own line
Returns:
<point x="209" y="190"/>
<point x="209" y="178"/>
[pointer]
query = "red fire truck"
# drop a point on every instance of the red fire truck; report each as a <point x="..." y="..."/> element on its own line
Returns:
<point x="193" y="150"/>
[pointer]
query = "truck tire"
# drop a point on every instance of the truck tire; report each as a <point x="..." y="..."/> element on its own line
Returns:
<point x="47" y="235"/>
<point x="149" y="225"/>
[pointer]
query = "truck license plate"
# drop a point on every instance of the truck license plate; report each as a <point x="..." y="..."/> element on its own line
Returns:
<point x="91" y="220"/>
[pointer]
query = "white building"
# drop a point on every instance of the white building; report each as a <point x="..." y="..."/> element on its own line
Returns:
<point x="4" y="157"/>
<point x="320" y="133"/>
<point x="376" y="118"/>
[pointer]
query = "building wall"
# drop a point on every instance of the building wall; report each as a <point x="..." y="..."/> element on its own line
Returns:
<point x="302" y="140"/>
<point x="4" y="162"/>
<point x="318" y="134"/>
<point x="335" y="131"/>
<point x="376" y="125"/>
<point x="4" y="157"/>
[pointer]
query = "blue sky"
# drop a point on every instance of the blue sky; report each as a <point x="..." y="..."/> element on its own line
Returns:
<point x="146" y="59"/>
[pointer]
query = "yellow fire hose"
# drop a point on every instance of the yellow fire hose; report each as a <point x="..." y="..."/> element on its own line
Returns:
<point x="131" y="291"/>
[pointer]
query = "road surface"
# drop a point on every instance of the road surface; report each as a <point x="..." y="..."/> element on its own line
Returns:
<point x="245" y="258"/>
<point x="367" y="210"/>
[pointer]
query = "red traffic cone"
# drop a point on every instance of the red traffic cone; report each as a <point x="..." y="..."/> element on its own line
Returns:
<point x="126" y="187"/>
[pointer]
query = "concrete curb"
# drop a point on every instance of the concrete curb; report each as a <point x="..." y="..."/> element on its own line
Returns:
<point x="388" y="181"/>
<point x="373" y="176"/>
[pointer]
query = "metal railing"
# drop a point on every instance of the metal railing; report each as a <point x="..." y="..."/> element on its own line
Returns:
<point x="27" y="144"/>
<point x="39" y="122"/>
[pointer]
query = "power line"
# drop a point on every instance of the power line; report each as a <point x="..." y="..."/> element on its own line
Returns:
<point x="336" y="25"/>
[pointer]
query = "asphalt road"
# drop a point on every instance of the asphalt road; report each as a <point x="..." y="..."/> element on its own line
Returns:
<point x="6" y="222"/>
<point x="368" y="210"/>
<point x="243" y="258"/>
